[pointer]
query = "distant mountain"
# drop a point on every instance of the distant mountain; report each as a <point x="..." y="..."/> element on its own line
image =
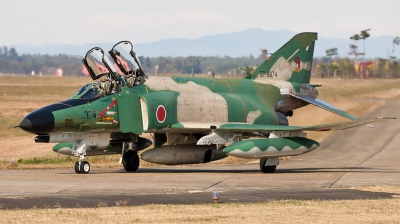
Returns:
<point x="243" y="43"/>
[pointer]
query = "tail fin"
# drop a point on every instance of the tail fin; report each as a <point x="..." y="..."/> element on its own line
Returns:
<point x="292" y="62"/>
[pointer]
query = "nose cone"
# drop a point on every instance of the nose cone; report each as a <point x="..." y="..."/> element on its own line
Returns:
<point x="39" y="122"/>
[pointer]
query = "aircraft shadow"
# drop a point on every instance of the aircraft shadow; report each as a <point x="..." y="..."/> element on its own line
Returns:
<point x="338" y="169"/>
<point x="255" y="171"/>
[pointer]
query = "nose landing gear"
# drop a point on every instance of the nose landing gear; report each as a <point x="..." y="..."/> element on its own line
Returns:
<point x="80" y="150"/>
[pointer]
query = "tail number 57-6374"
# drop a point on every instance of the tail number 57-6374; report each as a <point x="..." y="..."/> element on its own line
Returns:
<point x="269" y="74"/>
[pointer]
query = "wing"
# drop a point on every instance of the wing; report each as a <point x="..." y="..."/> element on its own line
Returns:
<point x="245" y="127"/>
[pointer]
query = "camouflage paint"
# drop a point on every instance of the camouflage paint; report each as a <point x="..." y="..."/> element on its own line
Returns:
<point x="292" y="62"/>
<point x="229" y="104"/>
<point x="257" y="148"/>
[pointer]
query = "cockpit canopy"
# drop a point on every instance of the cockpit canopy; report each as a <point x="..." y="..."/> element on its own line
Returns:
<point x="98" y="64"/>
<point x="127" y="63"/>
<point x="121" y="60"/>
<point x="121" y="53"/>
<point x="110" y="72"/>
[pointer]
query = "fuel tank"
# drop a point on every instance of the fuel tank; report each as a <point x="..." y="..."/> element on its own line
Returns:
<point x="271" y="147"/>
<point x="65" y="148"/>
<point x="182" y="154"/>
<point x="113" y="147"/>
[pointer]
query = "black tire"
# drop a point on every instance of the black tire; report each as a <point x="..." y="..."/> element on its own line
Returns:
<point x="264" y="168"/>
<point x="131" y="161"/>
<point x="77" y="168"/>
<point x="85" y="167"/>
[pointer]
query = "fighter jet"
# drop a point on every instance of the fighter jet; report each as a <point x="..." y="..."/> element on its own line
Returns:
<point x="192" y="120"/>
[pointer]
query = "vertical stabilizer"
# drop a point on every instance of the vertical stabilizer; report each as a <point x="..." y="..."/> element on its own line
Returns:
<point x="292" y="62"/>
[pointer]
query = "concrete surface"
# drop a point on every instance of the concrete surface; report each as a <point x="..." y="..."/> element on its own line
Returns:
<point x="356" y="157"/>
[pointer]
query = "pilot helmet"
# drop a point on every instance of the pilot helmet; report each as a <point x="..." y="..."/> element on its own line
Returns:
<point x="96" y="85"/>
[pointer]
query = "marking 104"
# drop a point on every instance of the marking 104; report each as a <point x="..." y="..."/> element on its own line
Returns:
<point x="90" y="114"/>
<point x="269" y="74"/>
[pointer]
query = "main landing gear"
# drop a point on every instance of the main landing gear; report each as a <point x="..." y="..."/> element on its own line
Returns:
<point x="82" y="166"/>
<point x="130" y="160"/>
<point x="265" y="166"/>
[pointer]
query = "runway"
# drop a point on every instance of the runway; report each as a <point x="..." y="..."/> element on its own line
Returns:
<point x="356" y="157"/>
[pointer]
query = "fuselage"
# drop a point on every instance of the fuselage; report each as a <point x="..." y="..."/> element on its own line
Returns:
<point x="163" y="101"/>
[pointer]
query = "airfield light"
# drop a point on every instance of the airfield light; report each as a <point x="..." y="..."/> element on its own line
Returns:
<point x="215" y="196"/>
<point x="10" y="162"/>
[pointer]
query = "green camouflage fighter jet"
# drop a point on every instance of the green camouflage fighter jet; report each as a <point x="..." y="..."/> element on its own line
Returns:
<point x="194" y="120"/>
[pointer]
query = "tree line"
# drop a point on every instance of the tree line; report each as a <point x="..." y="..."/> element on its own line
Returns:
<point x="357" y="67"/>
<point x="12" y="62"/>
<point x="325" y="67"/>
<point x="348" y="68"/>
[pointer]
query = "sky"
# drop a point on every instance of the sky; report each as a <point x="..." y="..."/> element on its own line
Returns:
<point x="81" y="22"/>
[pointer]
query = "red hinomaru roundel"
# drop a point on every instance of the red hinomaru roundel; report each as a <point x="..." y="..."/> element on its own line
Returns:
<point x="161" y="114"/>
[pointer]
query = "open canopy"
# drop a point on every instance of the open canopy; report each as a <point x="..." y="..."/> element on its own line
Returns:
<point x="98" y="64"/>
<point x="120" y="67"/>
<point x="126" y="61"/>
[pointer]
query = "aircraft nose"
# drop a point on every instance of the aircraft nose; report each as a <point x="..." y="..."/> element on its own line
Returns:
<point x="39" y="122"/>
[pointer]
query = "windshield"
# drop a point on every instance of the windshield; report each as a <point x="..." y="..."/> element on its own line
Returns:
<point x="81" y="91"/>
<point x="90" y="94"/>
<point x="87" y="92"/>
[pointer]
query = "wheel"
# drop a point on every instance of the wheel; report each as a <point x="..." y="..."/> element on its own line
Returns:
<point x="77" y="168"/>
<point x="130" y="160"/>
<point x="84" y="167"/>
<point x="264" y="168"/>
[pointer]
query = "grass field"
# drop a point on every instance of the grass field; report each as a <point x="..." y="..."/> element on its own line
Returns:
<point x="284" y="211"/>
<point x="21" y="95"/>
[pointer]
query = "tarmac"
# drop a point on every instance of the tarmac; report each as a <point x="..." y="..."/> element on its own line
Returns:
<point x="355" y="157"/>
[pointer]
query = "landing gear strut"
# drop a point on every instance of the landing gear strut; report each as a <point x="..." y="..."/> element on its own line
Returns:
<point x="265" y="168"/>
<point x="130" y="160"/>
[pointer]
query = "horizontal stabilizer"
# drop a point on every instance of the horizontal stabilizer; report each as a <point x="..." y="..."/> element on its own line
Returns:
<point x="324" y="105"/>
<point x="245" y="127"/>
